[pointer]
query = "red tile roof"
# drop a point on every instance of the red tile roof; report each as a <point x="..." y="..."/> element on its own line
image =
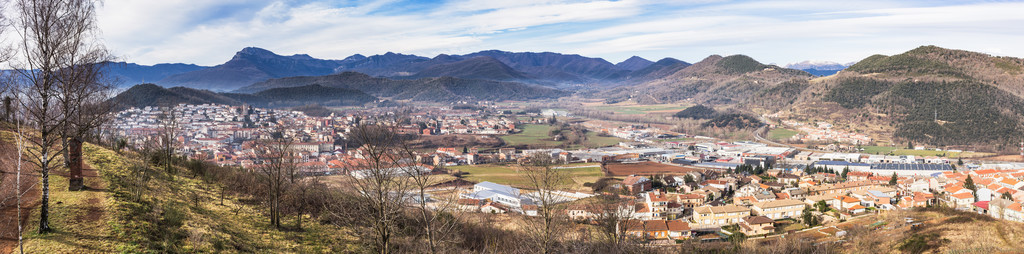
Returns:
<point x="963" y="195"/>
<point x="655" y="225"/>
<point x="678" y="225"/>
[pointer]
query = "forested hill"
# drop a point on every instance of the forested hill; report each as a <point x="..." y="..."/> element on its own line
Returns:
<point x="928" y="95"/>
<point x="714" y="80"/>
<point x="443" y="89"/>
<point x="152" y="95"/>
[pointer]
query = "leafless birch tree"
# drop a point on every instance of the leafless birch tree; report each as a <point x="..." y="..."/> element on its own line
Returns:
<point x="56" y="35"/>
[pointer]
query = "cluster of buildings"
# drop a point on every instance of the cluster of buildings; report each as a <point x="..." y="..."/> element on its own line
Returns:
<point x="705" y="199"/>
<point x="230" y="135"/>
<point x="488" y="197"/>
<point x="823" y="132"/>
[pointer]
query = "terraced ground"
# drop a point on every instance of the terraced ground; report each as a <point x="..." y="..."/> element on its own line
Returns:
<point x="629" y="108"/>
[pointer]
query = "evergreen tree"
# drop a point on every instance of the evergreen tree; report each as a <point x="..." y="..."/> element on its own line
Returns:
<point x="846" y="171"/>
<point x="960" y="161"/>
<point x="969" y="184"/>
<point x="807" y="216"/>
<point x="892" y="181"/>
<point x="822" y="206"/>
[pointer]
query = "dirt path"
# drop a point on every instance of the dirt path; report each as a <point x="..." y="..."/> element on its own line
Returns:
<point x="30" y="201"/>
<point x="9" y="209"/>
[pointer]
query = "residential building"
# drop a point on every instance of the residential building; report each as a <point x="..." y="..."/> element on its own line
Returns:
<point x="637" y="184"/>
<point x="756" y="225"/>
<point x="779" y="209"/>
<point x="717" y="216"/>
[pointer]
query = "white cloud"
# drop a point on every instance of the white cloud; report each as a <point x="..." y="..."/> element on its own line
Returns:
<point x="209" y="32"/>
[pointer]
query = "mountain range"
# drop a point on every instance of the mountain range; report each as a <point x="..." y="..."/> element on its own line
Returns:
<point x="927" y="95"/>
<point x="819" y="68"/>
<point x="714" y="80"/>
<point x="127" y="74"/>
<point x="252" y="65"/>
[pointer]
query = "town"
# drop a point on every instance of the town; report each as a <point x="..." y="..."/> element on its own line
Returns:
<point x="665" y="191"/>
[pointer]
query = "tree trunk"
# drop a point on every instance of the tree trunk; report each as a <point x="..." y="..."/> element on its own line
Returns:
<point x="73" y="155"/>
<point x="64" y="144"/>
<point x="223" y="189"/>
<point x="426" y="221"/>
<point x="44" y="208"/>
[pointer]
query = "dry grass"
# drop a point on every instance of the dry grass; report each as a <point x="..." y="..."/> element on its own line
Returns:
<point x="943" y="232"/>
<point x="97" y="221"/>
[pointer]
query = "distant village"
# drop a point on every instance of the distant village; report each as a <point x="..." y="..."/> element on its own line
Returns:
<point x="670" y="190"/>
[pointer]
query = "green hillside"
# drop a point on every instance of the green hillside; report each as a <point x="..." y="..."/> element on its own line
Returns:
<point x="176" y="213"/>
<point x="928" y="95"/>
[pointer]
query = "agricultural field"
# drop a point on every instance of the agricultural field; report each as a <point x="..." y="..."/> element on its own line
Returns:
<point x="885" y="150"/>
<point x="508" y="175"/>
<point x="536" y="136"/>
<point x="629" y="108"/>
<point x="532" y="135"/>
<point x="781" y="134"/>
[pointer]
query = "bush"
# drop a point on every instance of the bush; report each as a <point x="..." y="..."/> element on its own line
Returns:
<point x="920" y="243"/>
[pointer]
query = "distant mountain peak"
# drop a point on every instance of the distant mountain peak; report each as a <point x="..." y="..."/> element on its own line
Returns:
<point x="818" y="65"/>
<point x="302" y="56"/>
<point x="254" y="51"/>
<point x="634" y="63"/>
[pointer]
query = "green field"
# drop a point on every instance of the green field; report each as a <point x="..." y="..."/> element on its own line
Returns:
<point x="593" y="140"/>
<point x="509" y="176"/>
<point x="640" y="109"/>
<point x="532" y="135"/>
<point x="536" y="136"/>
<point x="877" y="149"/>
<point x="885" y="150"/>
<point x="781" y="134"/>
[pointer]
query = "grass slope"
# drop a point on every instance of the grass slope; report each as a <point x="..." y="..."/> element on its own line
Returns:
<point x="176" y="214"/>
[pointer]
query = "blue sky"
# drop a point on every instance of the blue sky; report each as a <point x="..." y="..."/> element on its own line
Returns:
<point x="209" y="32"/>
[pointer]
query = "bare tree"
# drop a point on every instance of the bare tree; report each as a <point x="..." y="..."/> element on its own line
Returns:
<point x="378" y="183"/>
<point x="55" y="35"/>
<point x="546" y="181"/>
<point x="611" y="216"/>
<point x="82" y="100"/>
<point x="21" y="147"/>
<point x="278" y="166"/>
<point x="140" y="172"/>
<point x="169" y="128"/>
<point x="420" y="178"/>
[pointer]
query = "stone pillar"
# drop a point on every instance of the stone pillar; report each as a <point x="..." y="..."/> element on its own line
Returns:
<point x="77" y="182"/>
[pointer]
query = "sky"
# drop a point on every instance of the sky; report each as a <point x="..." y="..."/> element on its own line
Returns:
<point x="209" y="32"/>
